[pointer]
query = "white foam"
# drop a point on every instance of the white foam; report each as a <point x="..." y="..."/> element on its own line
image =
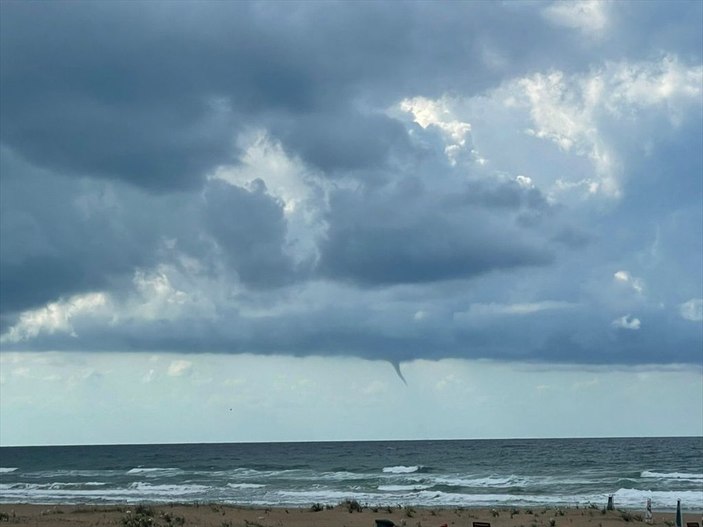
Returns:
<point x="326" y="496"/>
<point x="401" y="469"/>
<point x="661" y="499"/>
<point x="245" y="485"/>
<point x="489" y="481"/>
<point x="77" y="488"/>
<point x="672" y="475"/>
<point x="395" y="488"/>
<point x="174" y="490"/>
<point x="155" y="471"/>
<point x="340" y="476"/>
<point x="6" y="470"/>
<point x="51" y="486"/>
<point x="47" y="474"/>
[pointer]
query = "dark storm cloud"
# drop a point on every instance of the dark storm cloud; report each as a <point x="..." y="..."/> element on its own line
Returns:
<point x="61" y="236"/>
<point x="572" y="335"/>
<point x="153" y="93"/>
<point x="340" y="141"/>
<point x="404" y="235"/>
<point x="250" y="229"/>
<point x="113" y="114"/>
<point x="93" y="89"/>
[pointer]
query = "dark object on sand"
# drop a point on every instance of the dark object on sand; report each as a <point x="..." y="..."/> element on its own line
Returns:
<point x="691" y="524"/>
<point x="482" y="524"/>
<point x="384" y="523"/>
<point x="610" y="506"/>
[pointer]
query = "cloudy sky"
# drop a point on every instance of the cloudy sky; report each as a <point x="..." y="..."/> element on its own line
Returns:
<point x="333" y="220"/>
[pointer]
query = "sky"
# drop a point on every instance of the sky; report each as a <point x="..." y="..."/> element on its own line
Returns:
<point x="274" y="221"/>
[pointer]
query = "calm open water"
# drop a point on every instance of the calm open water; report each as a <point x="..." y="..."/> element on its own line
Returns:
<point x="431" y="473"/>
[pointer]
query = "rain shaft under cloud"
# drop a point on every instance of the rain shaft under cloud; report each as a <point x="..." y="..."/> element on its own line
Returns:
<point x="390" y="181"/>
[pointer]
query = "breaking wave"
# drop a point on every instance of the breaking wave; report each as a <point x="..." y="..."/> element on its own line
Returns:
<point x="402" y="469"/>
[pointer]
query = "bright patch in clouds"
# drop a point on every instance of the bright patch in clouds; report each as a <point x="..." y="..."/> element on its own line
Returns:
<point x="264" y="159"/>
<point x="577" y="113"/>
<point x="627" y="322"/>
<point x="588" y="16"/>
<point x="55" y="317"/>
<point x="427" y="112"/>
<point x="625" y="278"/>
<point x="179" y="368"/>
<point x="159" y="299"/>
<point x="302" y="190"/>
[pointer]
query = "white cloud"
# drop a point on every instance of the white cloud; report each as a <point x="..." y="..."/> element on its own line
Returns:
<point x="692" y="310"/>
<point x="427" y="112"/>
<point x="157" y="297"/>
<point x="264" y="159"/>
<point x="627" y="322"/>
<point x="562" y="109"/>
<point x="573" y="110"/>
<point x="588" y="16"/>
<point x="524" y="181"/>
<point x="55" y="317"/>
<point x="179" y="368"/>
<point x="624" y="277"/>
<point x="157" y="285"/>
<point x="665" y="83"/>
<point x="592" y="117"/>
<point x="153" y="297"/>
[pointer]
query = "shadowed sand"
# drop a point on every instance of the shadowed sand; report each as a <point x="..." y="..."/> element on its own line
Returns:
<point x="214" y="515"/>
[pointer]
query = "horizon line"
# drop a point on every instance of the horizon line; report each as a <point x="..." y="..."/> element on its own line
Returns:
<point x="298" y="441"/>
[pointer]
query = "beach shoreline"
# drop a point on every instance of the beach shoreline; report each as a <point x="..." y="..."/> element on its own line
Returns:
<point x="342" y="515"/>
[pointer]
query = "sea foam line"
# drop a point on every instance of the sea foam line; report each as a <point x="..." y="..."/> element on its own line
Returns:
<point x="671" y="475"/>
<point x="401" y="469"/>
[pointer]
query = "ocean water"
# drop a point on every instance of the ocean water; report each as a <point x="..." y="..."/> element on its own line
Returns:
<point x="426" y="473"/>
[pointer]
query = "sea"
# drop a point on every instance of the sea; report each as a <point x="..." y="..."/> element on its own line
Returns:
<point x="472" y="473"/>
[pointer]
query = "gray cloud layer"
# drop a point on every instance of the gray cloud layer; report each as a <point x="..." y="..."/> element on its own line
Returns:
<point x="115" y="116"/>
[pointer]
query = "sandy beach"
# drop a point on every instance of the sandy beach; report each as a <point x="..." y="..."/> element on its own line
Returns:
<point x="215" y="515"/>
